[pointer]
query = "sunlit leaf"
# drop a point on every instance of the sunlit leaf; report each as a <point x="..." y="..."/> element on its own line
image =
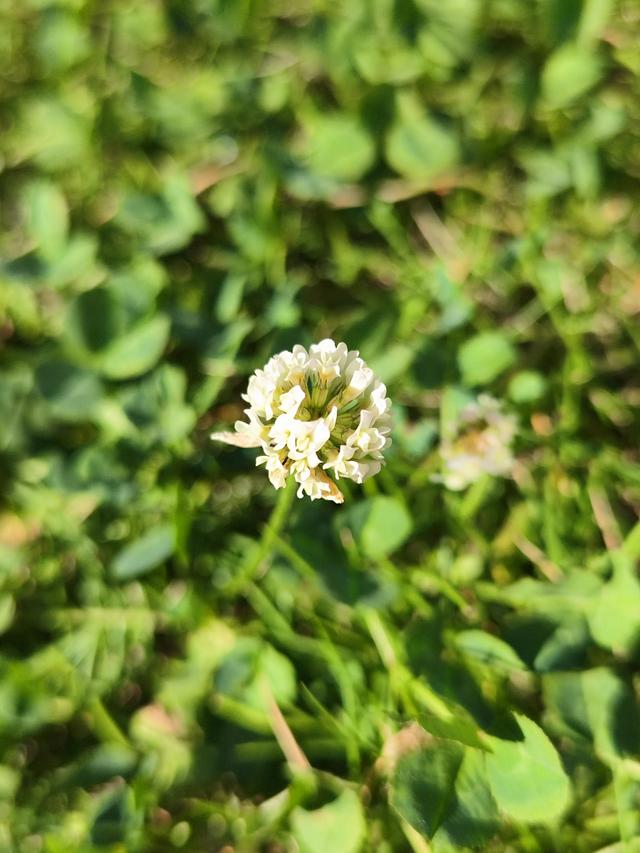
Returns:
<point x="144" y="554"/>
<point x="526" y="777"/>
<point x="423" y="785"/>
<point x="339" y="147"/>
<point x="472" y="818"/>
<point x="484" y="357"/>
<point x="137" y="350"/>
<point x="338" y="826"/>
<point x="614" y="619"/>
<point x="47" y="218"/>
<point x="386" y="525"/>
<point x="487" y="649"/>
<point x="569" y="72"/>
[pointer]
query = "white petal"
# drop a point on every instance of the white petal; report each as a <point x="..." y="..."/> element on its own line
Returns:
<point x="236" y="439"/>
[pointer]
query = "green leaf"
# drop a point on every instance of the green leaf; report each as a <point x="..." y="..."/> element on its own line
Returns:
<point x="7" y="611"/>
<point x="386" y="57"/>
<point x="144" y="554"/>
<point x="339" y="826"/>
<point x="418" y="146"/>
<point x="548" y="174"/>
<point x="574" y="593"/>
<point x="230" y="297"/>
<point x="526" y="777"/>
<point x="614" y="620"/>
<point x="387" y="525"/>
<point x="115" y="812"/>
<point x="566" y="645"/>
<point x="527" y="386"/>
<point x="593" y="19"/>
<point x="47" y="218"/>
<point x="598" y="705"/>
<point x="9" y="782"/>
<point x="92" y="321"/>
<point x="559" y="19"/>
<point x="455" y="305"/>
<point x="137" y="285"/>
<point x="156" y="406"/>
<point x="102" y="765"/>
<point x="339" y="147"/>
<point x="60" y="42"/>
<point x="137" y="350"/>
<point x="422" y="787"/>
<point x="489" y="650"/>
<point x="472" y="819"/>
<point x="248" y="666"/>
<point x="394" y="362"/>
<point x="71" y="392"/>
<point x="449" y="35"/>
<point x="484" y="357"/>
<point x="54" y="133"/>
<point x="156" y="734"/>
<point x="611" y="707"/>
<point x="568" y="74"/>
<point x="421" y="149"/>
<point x="163" y="221"/>
<point x="77" y="261"/>
<point x="459" y="727"/>
<point x="176" y="418"/>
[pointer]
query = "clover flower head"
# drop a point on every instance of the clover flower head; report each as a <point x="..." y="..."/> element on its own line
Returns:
<point x="479" y="443"/>
<point x="312" y="412"/>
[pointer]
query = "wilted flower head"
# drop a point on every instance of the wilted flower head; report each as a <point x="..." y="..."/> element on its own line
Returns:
<point x="478" y="443"/>
<point x="315" y="411"/>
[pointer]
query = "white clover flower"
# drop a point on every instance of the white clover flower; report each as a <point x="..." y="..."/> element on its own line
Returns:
<point x="312" y="412"/>
<point x="478" y="443"/>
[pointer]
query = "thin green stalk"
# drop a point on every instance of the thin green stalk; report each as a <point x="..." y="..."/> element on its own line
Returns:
<point x="272" y="529"/>
<point x="104" y="725"/>
<point x="474" y="498"/>
<point x="298" y="562"/>
<point x="426" y="575"/>
<point x="278" y="625"/>
<point x="403" y="682"/>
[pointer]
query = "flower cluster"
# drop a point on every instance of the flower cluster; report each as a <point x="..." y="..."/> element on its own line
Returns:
<point x="479" y="443"/>
<point x="314" y="412"/>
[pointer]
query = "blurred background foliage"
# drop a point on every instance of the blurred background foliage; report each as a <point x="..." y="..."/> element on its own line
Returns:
<point x="189" y="186"/>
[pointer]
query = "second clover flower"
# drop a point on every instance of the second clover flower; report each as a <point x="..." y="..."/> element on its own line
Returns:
<point x="314" y="412"/>
<point x="477" y="443"/>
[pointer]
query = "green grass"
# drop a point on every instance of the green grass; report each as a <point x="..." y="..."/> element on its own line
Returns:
<point x="189" y="187"/>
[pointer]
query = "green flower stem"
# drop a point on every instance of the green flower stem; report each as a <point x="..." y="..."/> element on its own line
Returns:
<point x="298" y="562"/>
<point x="403" y="681"/>
<point x="104" y="725"/>
<point x="418" y="843"/>
<point x="474" y="498"/>
<point x="275" y="525"/>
